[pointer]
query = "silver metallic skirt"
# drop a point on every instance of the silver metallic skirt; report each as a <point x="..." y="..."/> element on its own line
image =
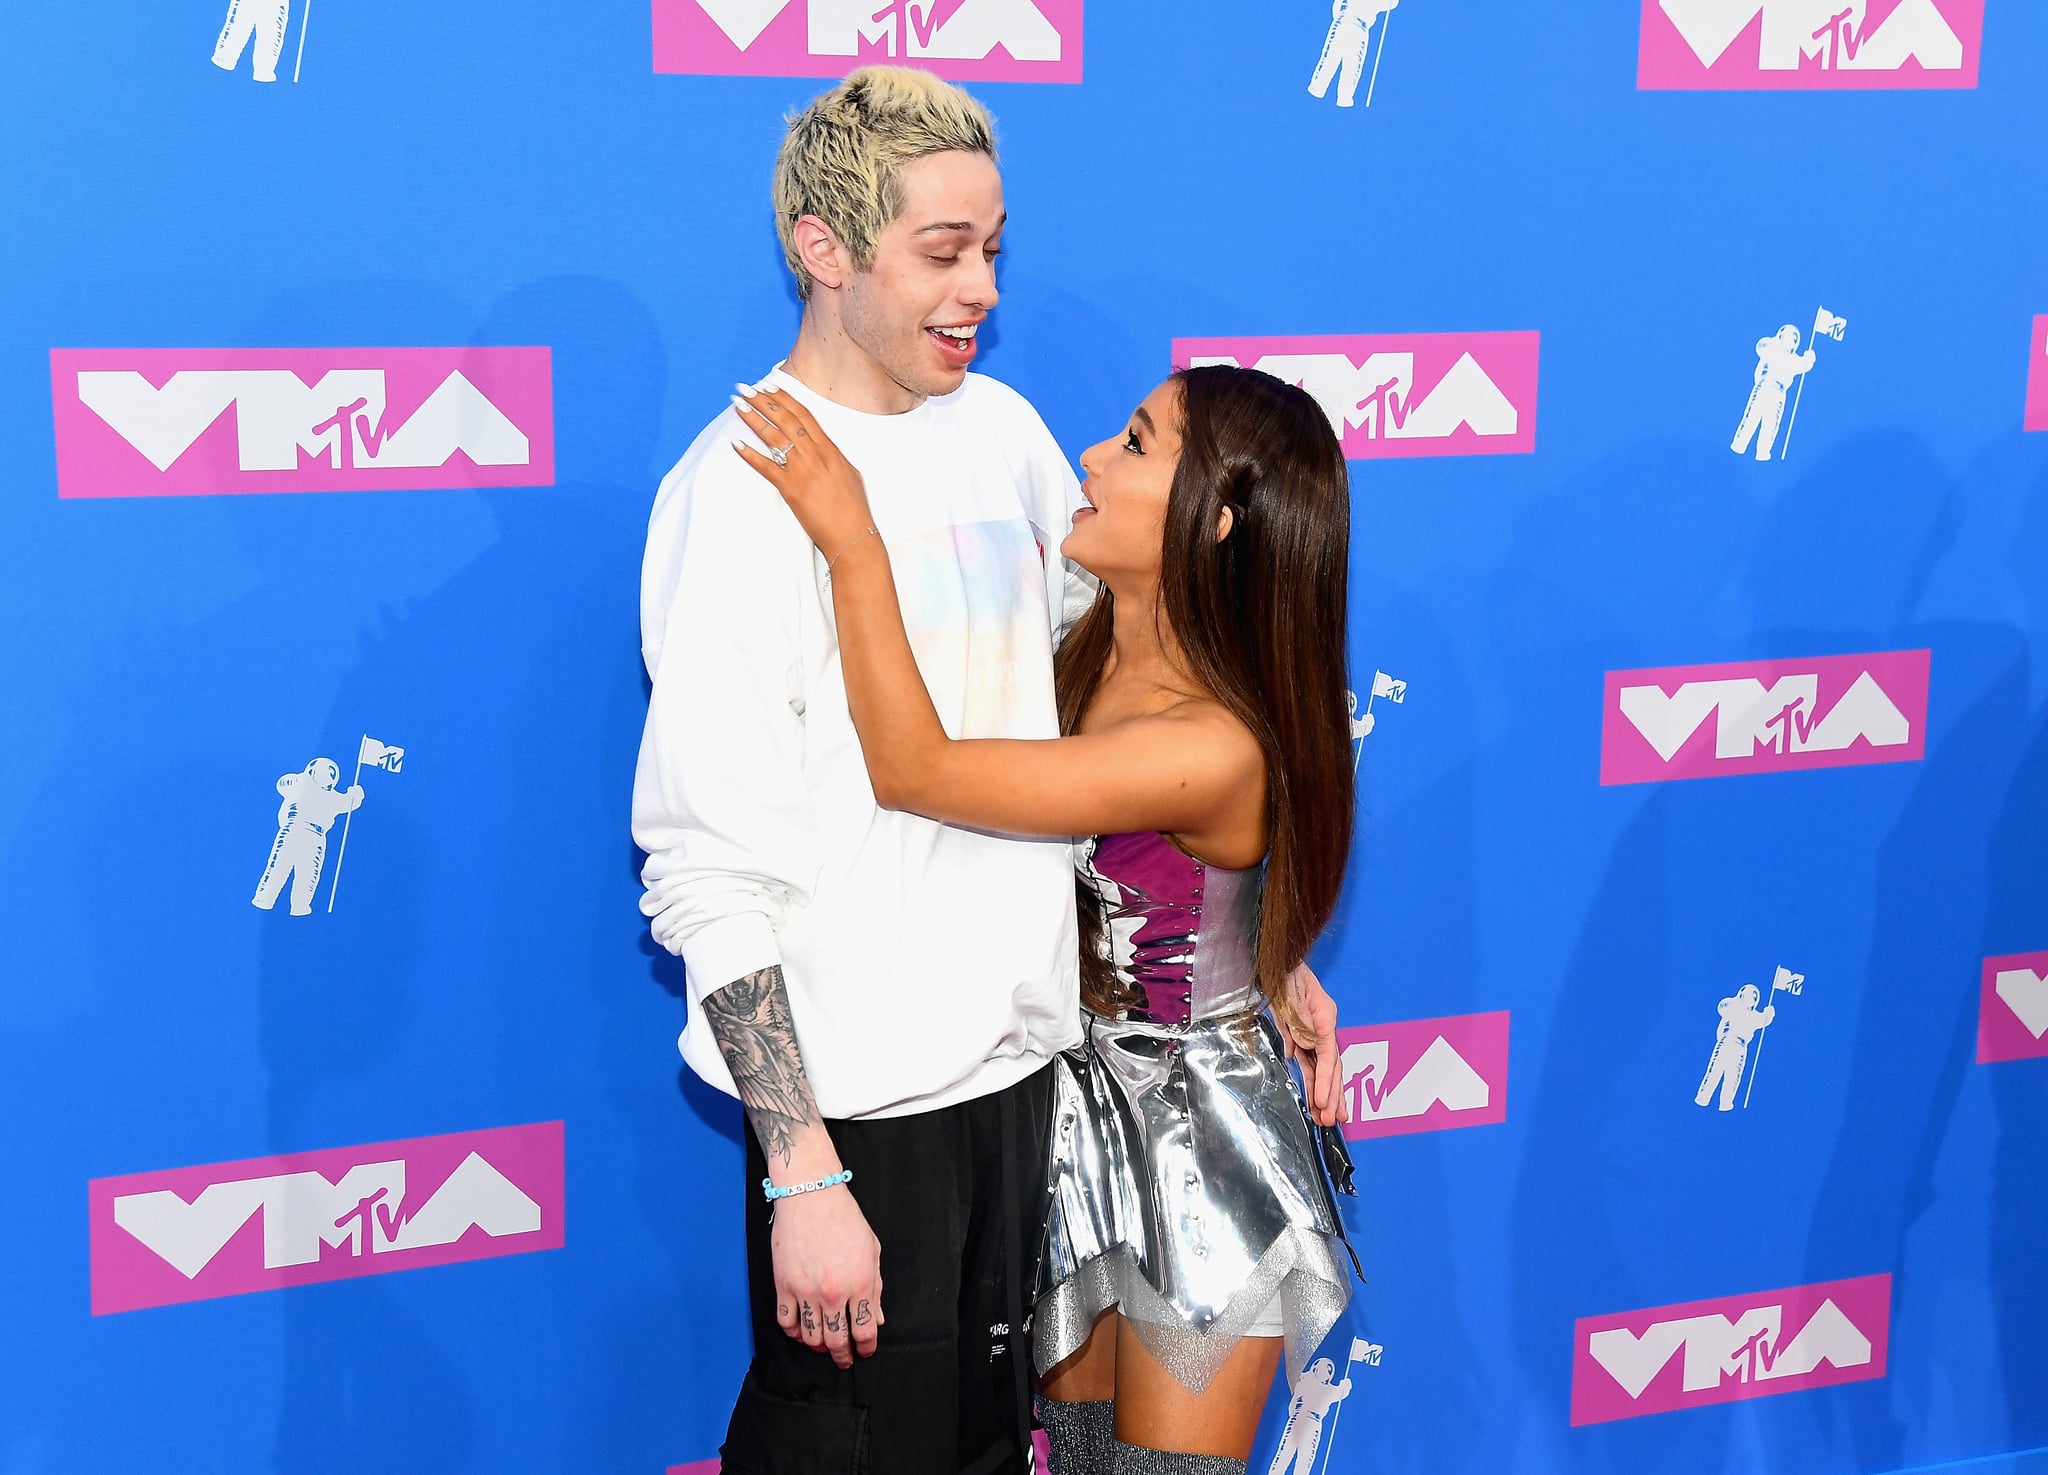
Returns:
<point x="1185" y="1190"/>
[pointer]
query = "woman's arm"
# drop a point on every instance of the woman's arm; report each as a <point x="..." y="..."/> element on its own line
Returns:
<point x="1178" y="772"/>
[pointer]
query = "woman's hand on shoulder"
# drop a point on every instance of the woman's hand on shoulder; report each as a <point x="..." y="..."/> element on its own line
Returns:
<point x="823" y="488"/>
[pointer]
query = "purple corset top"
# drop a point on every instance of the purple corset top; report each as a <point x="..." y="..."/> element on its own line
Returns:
<point x="1179" y="932"/>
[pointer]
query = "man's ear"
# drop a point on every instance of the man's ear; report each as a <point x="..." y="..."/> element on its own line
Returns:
<point x="819" y="248"/>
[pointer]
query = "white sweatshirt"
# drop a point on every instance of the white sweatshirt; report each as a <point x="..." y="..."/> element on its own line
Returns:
<point x="926" y="964"/>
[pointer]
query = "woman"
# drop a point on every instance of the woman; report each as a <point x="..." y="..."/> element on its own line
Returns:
<point x="1208" y="754"/>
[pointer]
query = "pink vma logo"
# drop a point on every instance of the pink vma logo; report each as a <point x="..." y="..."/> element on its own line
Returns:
<point x="2037" y="377"/>
<point x="1721" y="1351"/>
<point x="1823" y="44"/>
<point x="961" y="40"/>
<point x="1409" y="394"/>
<point x="155" y="422"/>
<point x="2012" y="1013"/>
<point x="1763" y="716"/>
<point x="190" y="1234"/>
<point x="1425" y="1075"/>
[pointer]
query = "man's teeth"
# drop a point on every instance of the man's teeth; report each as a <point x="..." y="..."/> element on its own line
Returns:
<point x="959" y="335"/>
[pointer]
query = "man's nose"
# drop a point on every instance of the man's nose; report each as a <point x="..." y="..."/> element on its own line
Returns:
<point x="980" y="290"/>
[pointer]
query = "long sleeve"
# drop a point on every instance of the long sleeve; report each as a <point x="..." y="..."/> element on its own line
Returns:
<point x="719" y="799"/>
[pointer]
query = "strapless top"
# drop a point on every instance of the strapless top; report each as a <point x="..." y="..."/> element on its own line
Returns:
<point x="1178" y="932"/>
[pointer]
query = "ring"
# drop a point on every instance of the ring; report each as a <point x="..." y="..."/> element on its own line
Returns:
<point x="780" y="456"/>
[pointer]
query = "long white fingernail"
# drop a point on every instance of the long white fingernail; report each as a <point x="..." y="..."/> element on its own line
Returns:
<point x="740" y="403"/>
<point x="747" y="389"/>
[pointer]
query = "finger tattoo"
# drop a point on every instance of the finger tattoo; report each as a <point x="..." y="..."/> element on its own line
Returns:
<point x="863" y="1314"/>
<point x="810" y="1321"/>
<point x="832" y="1320"/>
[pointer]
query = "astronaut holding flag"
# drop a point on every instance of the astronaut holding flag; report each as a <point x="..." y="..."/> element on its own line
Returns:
<point x="313" y="800"/>
<point x="1317" y="1393"/>
<point x="1744" y="1017"/>
<point x="1779" y="361"/>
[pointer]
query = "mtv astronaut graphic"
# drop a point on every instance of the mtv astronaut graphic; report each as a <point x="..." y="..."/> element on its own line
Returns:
<point x="1312" y="1411"/>
<point x="1781" y="361"/>
<point x="258" y="27"/>
<point x="313" y="800"/>
<point x="1345" y="47"/>
<point x="1745" y="1015"/>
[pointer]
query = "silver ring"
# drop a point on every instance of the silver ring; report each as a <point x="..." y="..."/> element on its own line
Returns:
<point x="780" y="456"/>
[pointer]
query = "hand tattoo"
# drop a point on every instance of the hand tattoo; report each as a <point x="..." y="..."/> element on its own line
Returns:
<point x="810" y="1321"/>
<point x="862" y="1315"/>
<point x="832" y="1321"/>
<point x="750" y="1019"/>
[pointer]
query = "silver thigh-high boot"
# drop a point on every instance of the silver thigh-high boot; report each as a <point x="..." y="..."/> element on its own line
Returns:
<point x="1132" y="1459"/>
<point x="1082" y="1436"/>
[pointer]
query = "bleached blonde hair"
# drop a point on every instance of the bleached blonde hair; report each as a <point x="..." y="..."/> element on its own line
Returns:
<point x="843" y="155"/>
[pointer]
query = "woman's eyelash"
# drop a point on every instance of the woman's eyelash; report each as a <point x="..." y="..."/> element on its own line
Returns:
<point x="1132" y="443"/>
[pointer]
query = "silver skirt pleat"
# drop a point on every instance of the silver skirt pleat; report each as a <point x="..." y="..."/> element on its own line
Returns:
<point x="1184" y="1190"/>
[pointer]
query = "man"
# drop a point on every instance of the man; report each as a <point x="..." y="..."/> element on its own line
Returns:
<point x="882" y="992"/>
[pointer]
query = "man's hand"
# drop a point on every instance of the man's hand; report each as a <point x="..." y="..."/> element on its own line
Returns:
<point x="828" y="1274"/>
<point x="828" y="1264"/>
<point x="1315" y="1046"/>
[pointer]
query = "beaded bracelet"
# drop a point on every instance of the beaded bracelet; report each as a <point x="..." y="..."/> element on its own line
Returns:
<point x="770" y="1192"/>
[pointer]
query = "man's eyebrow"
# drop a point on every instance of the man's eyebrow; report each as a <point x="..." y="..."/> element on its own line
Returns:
<point x="955" y="227"/>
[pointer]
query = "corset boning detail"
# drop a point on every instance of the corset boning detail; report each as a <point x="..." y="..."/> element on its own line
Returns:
<point x="1178" y="932"/>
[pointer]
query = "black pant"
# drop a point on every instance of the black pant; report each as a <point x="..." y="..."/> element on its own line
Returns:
<point x="957" y="1198"/>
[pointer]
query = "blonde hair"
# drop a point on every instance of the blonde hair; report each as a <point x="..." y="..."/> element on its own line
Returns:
<point x="842" y="156"/>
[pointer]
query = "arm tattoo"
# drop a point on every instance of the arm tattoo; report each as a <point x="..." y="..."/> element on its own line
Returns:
<point x="750" y="1019"/>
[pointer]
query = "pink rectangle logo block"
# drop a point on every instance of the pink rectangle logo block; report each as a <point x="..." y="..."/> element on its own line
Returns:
<point x="1425" y="1075"/>
<point x="2012" y="1012"/>
<point x="190" y="1234"/>
<point x="702" y="1467"/>
<point x="1823" y="45"/>
<point x="181" y="422"/>
<point x="1725" y="1350"/>
<point x="1674" y="722"/>
<point x="1401" y="394"/>
<point x="2037" y="377"/>
<point x="961" y="40"/>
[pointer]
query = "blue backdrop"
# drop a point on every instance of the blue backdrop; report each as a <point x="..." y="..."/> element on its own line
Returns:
<point x="518" y="174"/>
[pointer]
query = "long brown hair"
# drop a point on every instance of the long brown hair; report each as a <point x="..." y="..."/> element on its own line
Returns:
<point x="1260" y="619"/>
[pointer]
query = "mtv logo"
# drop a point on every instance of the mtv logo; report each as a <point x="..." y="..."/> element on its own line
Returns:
<point x="190" y="1234"/>
<point x="1767" y="716"/>
<point x="2012" y="1009"/>
<point x="1415" y="394"/>
<point x="2037" y="378"/>
<point x="961" y="40"/>
<point x="1371" y="1357"/>
<point x="1725" y="1350"/>
<point x="1425" y="1075"/>
<point x="157" y="422"/>
<point x="1813" y="44"/>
